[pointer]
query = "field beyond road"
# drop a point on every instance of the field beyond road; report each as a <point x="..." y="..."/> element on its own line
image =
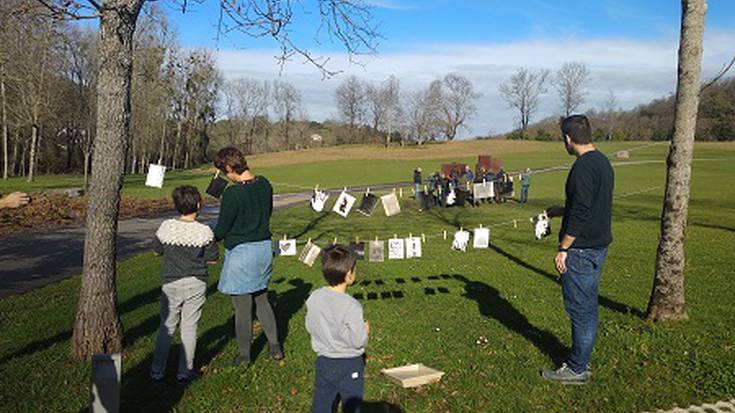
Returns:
<point x="434" y="310"/>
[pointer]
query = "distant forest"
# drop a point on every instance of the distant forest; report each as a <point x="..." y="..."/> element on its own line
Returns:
<point x="654" y="120"/>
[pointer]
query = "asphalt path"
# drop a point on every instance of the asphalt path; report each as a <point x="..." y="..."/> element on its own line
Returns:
<point x="33" y="260"/>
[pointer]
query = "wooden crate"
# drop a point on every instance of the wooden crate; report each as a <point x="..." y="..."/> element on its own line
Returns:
<point x="413" y="375"/>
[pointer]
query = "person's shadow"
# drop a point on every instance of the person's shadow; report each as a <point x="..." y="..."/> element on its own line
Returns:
<point x="491" y="304"/>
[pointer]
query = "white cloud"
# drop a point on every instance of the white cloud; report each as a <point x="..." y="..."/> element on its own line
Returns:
<point x="636" y="71"/>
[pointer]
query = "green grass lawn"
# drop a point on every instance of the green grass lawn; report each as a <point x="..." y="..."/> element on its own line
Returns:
<point x="430" y="310"/>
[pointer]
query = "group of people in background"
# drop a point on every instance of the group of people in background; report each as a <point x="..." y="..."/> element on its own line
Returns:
<point x="438" y="186"/>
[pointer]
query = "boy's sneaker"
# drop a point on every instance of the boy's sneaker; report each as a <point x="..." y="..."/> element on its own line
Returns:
<point x="157" y="377"/>
<point x="241" y="361"/>
<point x="565" y="375"/>
<point x="275" y="352"/>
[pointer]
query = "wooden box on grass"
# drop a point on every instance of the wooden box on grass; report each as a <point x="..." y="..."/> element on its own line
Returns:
<point x="413" y="375"/>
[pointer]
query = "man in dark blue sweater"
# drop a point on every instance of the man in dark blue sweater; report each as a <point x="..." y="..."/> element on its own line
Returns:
<point x="583" y="239"/>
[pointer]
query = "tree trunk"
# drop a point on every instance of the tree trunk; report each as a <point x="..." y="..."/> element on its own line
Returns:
<point x="97" y="328"/>
<point x="176" y="146"/>
<point x="667" y="297"/>
<point x="32" y="153"/>
<point x="5" y="123"/>
<point x="14" y="160"/>
<point x="163" y="143"/>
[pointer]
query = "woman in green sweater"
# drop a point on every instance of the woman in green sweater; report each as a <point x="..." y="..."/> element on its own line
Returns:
<point x="244" y="225"/>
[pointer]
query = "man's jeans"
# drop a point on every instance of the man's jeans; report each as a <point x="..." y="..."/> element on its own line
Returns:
<point x="417" y="190"/>
<point x="524" y="194"/>
<point x="181" y="303"/>
<point x="579" y="287"/>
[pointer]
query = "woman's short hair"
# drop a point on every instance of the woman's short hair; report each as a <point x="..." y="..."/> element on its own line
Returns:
<point x="232" y="157"/>
<point x="186" y="199"/>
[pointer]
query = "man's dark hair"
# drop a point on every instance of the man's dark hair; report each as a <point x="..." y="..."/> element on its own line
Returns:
<point x="337" y="261"/>
<point x="577" y="127"/>
<point x="186" y="199"/>
<point x="232" y="157"/>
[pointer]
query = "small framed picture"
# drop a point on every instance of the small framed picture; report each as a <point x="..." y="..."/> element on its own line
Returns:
<point x="344" y="204"/>
<point x="413" y="247"/>
<point x="155" y="176"/>
<point x="310" y="253"/>
<point x="358" y="248"/>
<point x="390" y="205"/>
<point x="481" y="238"/>
<point x="377" y="251"/>
<point x="396" y="249"/>
<point x="287" y="247"/>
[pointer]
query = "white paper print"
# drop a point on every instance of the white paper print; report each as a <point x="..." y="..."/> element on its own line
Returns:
<point x="461" y="239"/>
<point x="481" y="238"/>
<point x="318" y="199"/>
<point x="484" y="190"/>
<point x="309" y="254"/>
<point x="395" y="249"/>
<point x="451" y="197"/>
<point x="390" y="205"/>
<point x="155" y="176"/>
<point x="344" y="204"/>
<point x="541" y="225"/>
<point x="413" y="247"/>
<point x="376" y="251"/>
<point x="287" y="247"/>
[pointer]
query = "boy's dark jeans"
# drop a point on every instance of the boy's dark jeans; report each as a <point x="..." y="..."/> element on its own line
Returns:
<point x="338" y="377"/>
<point x="580" y="288"/>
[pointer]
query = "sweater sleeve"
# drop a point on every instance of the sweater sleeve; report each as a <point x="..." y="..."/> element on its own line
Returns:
<point x="157" y="246"/>
<point x="355" y="324"/>
<point x="211" y="252"/>
<point x="227" y="215"/>
<point x="582" y="192"/>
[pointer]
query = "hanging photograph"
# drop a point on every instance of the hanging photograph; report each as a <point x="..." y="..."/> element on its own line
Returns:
<point x="344" y="204"/>
<point x="368" y="204"/>
<point x="287" y="247"/>
<point x="461" y="239"/>
<point x="309" y="254"/>
<point x="318" y="199"/>
<point x="376" y="251"/>
<point x="358" y="248"/>
<point x="481" y="238"/>
<point x="413" y="247"/>
<point x="216" y="186"/>
<point x="390" y="205"/>
<point x="155" y="176"/>
<point x="483" y="191"/>
<point x="396" y="249"/>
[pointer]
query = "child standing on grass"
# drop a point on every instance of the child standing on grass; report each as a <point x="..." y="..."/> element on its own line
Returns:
<point x="338" y="335"/>
<point x="187" y="247"/>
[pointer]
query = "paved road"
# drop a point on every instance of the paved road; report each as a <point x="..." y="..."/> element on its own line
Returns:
<point x="30" y="261"/>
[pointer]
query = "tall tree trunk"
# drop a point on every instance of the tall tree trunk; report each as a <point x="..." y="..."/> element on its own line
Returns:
<point x="32" y="153"/>
<point x="14" y="160"/>
<point x="5" y="123"/>
<point x="97" y="328"/>
<point x="163" y="143"/>
<point x="176" y="146"/>
<point x="667" y="297"/>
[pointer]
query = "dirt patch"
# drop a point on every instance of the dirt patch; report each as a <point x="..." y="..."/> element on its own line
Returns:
<point x="51" y="211"/>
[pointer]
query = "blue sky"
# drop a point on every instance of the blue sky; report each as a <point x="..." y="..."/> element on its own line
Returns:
<point x="630" y="47"/>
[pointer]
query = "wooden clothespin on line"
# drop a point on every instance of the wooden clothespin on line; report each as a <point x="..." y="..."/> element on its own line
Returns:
<point x="400" y="192"/>
<point x="423" y="237"/>
<point x="335" y="241"/>
<point x="445" y="234"/>
<point x="515" y="223"/>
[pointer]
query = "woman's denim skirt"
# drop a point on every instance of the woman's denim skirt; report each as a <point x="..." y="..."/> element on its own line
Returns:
<point x="247" y="268"/>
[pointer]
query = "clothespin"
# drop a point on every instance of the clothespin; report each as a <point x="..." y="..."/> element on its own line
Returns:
<point x="357" y="239"/>
<point x="394" y="190"/>
<point x="335" y="241"/>
<point x="445" y="234"/>
<point x="285" y="237"/>
<point x="423" y="237"/>
<point x="308" y="241"/>
<point x="426" y="189"/>
<point x="413" y="191"/>
<point x="515" y="223"/>
<point x="395" y="235"/>
<point x="367" y="192"/>
<point x="376" y="238"/>
<point x="316" y="187"/>
<point x="480" y="226"/>
<point x="461" y="229"/>
<point x="400" y="192"/>
<point x="345" y="189"/>
<point x="410" y="235"/>
<point x="484" y="182"/>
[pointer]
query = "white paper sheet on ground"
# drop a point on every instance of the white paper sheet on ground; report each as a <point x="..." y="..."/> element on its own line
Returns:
<point x="484" y="190"/>
<point x="390" y="205"/>
<point x="481" y="238"/>
<point x="344" y="204"/>
<point x="413" y="247"/>
<point x="376" y="251"/>
<point x="287" y="247"/>
<point x="541" y="225"/>
<point x="155" y="175"/>
<point x="318" y="199"/>
<point x="309" y="254"/>
<point x="396" y="249"/>
<point x="461" y="239"/>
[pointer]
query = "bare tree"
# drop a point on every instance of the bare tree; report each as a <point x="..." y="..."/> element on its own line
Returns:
<point x="570" y="81"/>
<point x="350" y="96"/>
<point x="458" y="103"/>
<point x="391" y="99"/>
<point x="423" y="121"/>
<point x="287" y="106"/>
<point x="250" y="99"/>
<point x="97" y="327"/>
<point x="610" y="112"/>
<point x="522" y="93"/>
<point x="667" y="296"/>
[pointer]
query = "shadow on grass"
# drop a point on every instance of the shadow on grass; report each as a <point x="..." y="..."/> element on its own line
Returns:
<point x="491" y="304"/>
<point x="604" y="301"/>
<point x="380" y="407"/>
